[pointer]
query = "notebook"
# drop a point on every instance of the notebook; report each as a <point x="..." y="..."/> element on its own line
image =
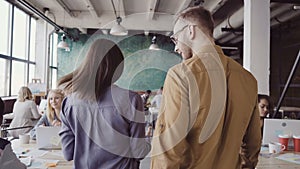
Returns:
<point x="275" y="127"/>
<point x="47" y="138"/>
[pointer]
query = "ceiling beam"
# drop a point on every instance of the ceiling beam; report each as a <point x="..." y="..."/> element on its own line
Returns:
<point x="152" y="8"/>
<point x="66" y="8"/>
<point x="183" y="5"/>
<point x="91" y="8"/>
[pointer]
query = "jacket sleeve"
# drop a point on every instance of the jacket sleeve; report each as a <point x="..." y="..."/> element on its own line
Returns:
<point x="66" y="134"/>
<point x="9" y="160"/>
<point x="169" y="141"/>
<point x="252" y="142"/>
<point x="42" y="121"/>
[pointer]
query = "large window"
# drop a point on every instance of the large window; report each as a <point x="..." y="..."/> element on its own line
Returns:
<point x="20" y="31"/>
<point x="17" y="49"/>
<point x="53" y="61"/>
<point x="4" y="28"/>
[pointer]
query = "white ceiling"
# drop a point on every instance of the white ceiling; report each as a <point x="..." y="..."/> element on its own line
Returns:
<point x="150" y="15"/>
<point x="154" y="15"/>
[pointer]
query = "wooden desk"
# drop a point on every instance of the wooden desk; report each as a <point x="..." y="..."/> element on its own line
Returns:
<point x="271" y="162"/>
<point x="50" y="155"/>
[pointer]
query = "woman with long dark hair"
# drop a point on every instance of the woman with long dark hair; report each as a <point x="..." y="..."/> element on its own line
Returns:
<point x="102" y="124"/>
<point x="265" y="108"/>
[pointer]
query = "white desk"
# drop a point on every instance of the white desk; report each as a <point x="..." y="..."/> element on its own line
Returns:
<point x="47" y="157"/>
<point x="270" y="162"/>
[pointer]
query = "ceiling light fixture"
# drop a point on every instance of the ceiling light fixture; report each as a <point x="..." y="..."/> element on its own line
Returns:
<point x="63" y="44"/>
<point x="118" y="29"/>
<point x="153" y="45"/>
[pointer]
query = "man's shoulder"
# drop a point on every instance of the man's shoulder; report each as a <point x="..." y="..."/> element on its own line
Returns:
<point x="235" y="66"/>
<point x="192" y="65"/>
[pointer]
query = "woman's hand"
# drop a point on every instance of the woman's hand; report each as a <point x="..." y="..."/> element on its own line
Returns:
<point x="56" y="123"/>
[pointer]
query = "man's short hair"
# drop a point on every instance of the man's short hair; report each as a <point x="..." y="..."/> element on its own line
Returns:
<point x="200" y="16"/>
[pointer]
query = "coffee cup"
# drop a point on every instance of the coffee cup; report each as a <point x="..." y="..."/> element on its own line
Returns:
<point x="24" y="138"/>
<point x="284" y="140"/>
<point x="296" y="140"/>
<point x="276" y="148"/>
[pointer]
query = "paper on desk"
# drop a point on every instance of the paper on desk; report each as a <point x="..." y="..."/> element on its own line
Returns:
<point x="26" y="161"/>
<point x="36" y="153"/>
<point x="55" y="153"/>
<point x="31" y="153"/>
<point x="290" y="157"/>
<point x="42" y="163"/>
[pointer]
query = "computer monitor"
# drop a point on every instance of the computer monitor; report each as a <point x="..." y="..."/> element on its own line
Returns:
<point x="275" y="127"/>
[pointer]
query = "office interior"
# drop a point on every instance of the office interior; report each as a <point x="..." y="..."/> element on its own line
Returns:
<point x="263" y="36"/>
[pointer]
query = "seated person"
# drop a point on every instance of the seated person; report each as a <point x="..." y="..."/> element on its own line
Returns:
<point x="8" y="159"/>
<point x="25" y="112"/>
<point x="265" y="108"/>
<point x="52" y="115"/>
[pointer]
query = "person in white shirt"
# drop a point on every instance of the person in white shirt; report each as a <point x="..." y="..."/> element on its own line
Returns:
<point x="24" y="112"/>
<point x="155" y="102"/>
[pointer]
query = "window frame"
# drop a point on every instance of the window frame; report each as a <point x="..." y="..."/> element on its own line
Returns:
<point x="10" y="58"/>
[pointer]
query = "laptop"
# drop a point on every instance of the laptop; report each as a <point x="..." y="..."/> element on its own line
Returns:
<point x="275" y="127"/>
<point x="47" y="138"/>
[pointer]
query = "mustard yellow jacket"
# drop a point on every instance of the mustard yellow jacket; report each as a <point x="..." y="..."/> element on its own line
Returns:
<point x="208" y="116"/>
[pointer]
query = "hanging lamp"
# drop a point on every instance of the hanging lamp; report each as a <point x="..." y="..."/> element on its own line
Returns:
<point x="117" y="29"/>
<point x="153" y="45"/>
<point x="63" y="44"/>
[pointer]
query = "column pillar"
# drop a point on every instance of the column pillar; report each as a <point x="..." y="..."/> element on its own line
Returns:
<point x="256" y="57"/>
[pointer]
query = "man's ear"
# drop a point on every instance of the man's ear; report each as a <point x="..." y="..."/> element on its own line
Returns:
<point x="192" y="31"/>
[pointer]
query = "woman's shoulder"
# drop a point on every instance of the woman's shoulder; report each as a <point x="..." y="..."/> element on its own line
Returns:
<point x="116" y="90"/>
<point x="29" y="101"/>
<point x="26" y="102"/>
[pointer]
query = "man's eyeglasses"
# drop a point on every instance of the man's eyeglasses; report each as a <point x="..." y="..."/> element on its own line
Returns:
<point x="174" y="37"/>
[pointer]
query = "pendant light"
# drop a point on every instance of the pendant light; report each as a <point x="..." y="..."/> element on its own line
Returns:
<point x="63" y="44"/>
<point x="153" y="45"/>
<point x="117" y="29"/>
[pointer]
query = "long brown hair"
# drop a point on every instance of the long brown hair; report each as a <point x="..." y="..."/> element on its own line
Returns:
<point x="102" y="66"/>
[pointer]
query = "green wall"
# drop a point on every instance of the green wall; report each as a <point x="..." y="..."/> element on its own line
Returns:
<point x="144" y="69"/>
